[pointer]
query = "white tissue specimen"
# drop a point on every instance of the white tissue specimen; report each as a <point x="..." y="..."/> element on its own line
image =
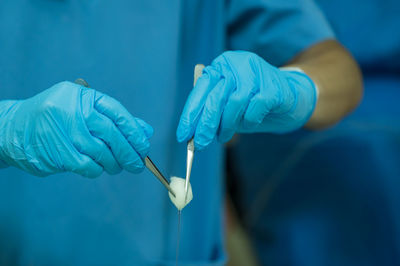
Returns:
<point x="177" y="185"/>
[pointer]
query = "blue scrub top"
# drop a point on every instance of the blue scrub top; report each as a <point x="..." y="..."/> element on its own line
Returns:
<point x="141" y="53"/>
<point x="332" y="197"/>
<point x="370" y="30"/>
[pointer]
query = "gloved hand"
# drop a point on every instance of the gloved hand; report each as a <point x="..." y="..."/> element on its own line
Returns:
<point x="72" y="128"/>
<point x="241" y="92"/>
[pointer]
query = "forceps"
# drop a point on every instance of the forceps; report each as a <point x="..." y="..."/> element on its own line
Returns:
<point x="148" y="162"/>
<point x="190" y="145"/>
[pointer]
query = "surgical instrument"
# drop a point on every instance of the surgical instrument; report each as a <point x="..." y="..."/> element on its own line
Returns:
<point x="190" y="145"/>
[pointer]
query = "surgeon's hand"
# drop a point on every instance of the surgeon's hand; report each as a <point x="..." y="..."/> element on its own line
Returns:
<point x="241" y="92"/>
<point x="72" y="128"/>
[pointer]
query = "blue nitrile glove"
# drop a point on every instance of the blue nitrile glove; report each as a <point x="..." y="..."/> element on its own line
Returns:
<point x="72" y="128"/>
<point x="241" y="92"/>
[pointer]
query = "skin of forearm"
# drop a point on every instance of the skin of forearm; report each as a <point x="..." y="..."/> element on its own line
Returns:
<point x="338" y="78"/>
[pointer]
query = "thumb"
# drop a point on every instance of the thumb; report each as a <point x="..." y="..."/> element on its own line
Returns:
<point x="148" y="130"/>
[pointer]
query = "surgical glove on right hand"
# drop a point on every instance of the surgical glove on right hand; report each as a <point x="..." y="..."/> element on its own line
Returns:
<point x="72" y="128"/>
<point x="240" y="92"/>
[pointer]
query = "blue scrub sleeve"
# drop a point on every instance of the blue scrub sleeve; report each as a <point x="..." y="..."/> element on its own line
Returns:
<point x="274" y="29"/>
<point x="3" y="164"/>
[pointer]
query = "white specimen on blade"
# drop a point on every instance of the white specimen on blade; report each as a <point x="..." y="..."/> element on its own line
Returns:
<point x="177" y="185"/>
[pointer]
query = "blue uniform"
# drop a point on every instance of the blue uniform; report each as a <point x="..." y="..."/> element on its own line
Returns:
<point x="332" y="197"/>
<point x="141" y="53"/>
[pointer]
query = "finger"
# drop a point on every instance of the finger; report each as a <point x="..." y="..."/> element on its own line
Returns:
<point x="125" y="122"/>
<point x="82" y="165"/>
<point x="103" y="128"/>
<point x="245" y="87"/>
<point x="263" y="102"/>
<point x="209" y="122"/>
<point x="148" y="130"/>
<point x="258" y="109"/>
<point x="195" y="103"/>
<point x="232" y="115"/>
<point x="97" y="150"/>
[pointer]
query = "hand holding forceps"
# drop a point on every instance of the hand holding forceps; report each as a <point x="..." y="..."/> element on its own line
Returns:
<point x="148" y="162"/>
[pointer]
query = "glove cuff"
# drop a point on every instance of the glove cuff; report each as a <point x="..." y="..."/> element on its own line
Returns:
<point x="298" y="69"/>
<point x="306" y="97"/>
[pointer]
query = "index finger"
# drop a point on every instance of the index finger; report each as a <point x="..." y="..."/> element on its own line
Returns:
<point x="195" y="103"/>
<point x="136" y="134"/>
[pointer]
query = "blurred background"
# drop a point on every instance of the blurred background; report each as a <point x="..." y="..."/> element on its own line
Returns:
<point x="329" y="197"/>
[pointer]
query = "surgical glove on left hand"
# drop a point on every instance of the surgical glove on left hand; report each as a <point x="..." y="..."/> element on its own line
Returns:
<point x="72" y="128"/>
<point x="241" y="93"/>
